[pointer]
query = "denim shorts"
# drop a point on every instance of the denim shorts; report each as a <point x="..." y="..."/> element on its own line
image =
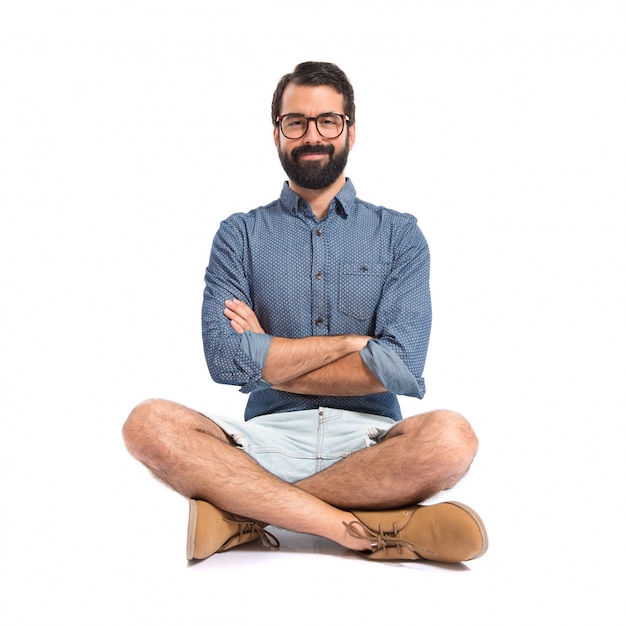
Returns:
<point x="297" y="444"/>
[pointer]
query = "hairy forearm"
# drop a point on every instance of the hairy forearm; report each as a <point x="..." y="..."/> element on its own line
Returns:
<point x="347" y="376"/>
<point x="319" y="365"/>
<point x="289" y="359"/>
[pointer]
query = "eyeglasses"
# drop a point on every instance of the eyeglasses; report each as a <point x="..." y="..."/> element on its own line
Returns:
<point x="295" y="125"/>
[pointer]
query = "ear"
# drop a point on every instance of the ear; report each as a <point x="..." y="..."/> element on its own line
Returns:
<point x="276" y="136"/>
<point x="351" y="136"/>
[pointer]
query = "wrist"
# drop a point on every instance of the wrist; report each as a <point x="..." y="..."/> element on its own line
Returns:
<point x="356" y="343"/>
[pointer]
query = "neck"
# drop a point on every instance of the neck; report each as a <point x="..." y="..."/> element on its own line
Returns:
<point x="319" y="199"/>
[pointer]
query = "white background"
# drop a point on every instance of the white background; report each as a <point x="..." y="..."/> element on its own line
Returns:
<point x="129" y="129"/>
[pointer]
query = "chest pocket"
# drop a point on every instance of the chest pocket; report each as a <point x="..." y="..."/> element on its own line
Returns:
<point x="360" y="287"/>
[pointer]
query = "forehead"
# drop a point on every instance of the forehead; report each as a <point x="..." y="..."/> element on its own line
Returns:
<point x="311" y="100"/>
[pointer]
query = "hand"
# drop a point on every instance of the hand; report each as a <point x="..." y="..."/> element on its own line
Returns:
<point x="242" y="317"/>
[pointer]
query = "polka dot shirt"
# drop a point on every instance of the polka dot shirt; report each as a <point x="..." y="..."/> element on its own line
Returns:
<point x="363" y="269"/>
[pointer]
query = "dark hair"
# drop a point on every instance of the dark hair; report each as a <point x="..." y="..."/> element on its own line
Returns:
<point x="316" y="73"/>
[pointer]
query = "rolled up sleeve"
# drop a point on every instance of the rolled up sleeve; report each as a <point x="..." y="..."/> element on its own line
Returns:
<point x="228" y="362"/>
<point x="397" y="354"/>
<point x="389" y="369"/>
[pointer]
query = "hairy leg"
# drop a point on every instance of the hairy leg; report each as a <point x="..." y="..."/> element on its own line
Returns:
<point x="418" y="458"/>
<point x="191" y="454"/>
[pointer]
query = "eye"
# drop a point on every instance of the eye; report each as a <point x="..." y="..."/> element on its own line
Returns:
<point x="294" y="122"/>
<point x="329" y="121"/>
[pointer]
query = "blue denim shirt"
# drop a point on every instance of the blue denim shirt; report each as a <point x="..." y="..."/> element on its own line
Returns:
<point x="363" y="270"/>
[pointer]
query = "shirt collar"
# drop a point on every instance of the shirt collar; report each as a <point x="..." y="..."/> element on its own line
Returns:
<point x="343" y="201"/>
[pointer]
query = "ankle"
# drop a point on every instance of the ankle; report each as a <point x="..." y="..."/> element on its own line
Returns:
<point x="352" y="537"/>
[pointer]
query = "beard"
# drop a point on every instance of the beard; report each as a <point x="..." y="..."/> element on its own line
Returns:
<point x="314" y="174"/>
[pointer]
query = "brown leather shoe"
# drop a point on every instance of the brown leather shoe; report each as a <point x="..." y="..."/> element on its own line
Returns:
<point x="212" y="530"/>
<point x="448" y="532"/>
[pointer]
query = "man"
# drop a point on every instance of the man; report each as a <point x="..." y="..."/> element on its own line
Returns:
<point x="318" y="306"/>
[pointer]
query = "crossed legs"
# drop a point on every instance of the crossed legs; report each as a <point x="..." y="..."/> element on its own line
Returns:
<point x="419" y="457"/>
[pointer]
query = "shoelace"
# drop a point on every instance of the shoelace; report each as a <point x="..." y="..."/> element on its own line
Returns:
<point x="247" y="526"/>
<point x="384" y="540"/>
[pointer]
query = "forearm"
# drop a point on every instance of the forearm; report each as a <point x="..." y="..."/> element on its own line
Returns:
<point x="290" y="359"/>
<point x="347" y="376"/>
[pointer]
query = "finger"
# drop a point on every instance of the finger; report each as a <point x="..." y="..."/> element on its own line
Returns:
<point x="243" y="314"/>
<point x="230" y="314"/>
<point x="238" y="328"/>
<point x="236" y="304"/>
<point x="242" y="310"/>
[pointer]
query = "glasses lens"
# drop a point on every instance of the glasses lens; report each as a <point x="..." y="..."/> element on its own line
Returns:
<point x="330" y="125"/>
<point x="293" y="126"/>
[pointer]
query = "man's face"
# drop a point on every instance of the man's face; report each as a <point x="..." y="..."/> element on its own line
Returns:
<point x="313" y="162"/>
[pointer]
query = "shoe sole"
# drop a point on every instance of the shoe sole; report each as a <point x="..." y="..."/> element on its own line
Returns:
<point x="191" y="529"/>
<point x="479" y="523"/>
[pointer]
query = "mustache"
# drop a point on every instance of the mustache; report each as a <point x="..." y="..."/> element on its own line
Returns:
<point x="319" y="149"/>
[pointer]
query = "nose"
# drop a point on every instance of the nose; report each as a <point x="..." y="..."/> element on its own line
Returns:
<point x="312" y="135"/>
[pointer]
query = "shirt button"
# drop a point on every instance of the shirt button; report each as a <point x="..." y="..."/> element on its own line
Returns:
<point x="319" y="321"/>
<point x="318" y="232"/>
<point x="319" y="275"/>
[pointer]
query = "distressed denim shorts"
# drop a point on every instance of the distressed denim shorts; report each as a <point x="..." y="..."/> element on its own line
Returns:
<point x="297" y="444"/>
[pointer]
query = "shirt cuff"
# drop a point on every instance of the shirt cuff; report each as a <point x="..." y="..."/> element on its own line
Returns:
<point x="256" y="346"/>
<point x="387" y="366"/>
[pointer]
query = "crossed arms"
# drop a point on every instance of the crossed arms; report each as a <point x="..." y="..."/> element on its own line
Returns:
<point x="322" y="365"/>
<point x="256" y="317"/>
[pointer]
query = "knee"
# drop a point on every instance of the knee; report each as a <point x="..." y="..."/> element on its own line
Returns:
<point x="141" y="428"/>
<point x="458" y="436"/>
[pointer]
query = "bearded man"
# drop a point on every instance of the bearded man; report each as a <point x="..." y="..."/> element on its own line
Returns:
<point x="318" y="306"/>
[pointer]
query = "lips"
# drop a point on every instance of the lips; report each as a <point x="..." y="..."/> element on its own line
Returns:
<point x="312" y="150"/>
